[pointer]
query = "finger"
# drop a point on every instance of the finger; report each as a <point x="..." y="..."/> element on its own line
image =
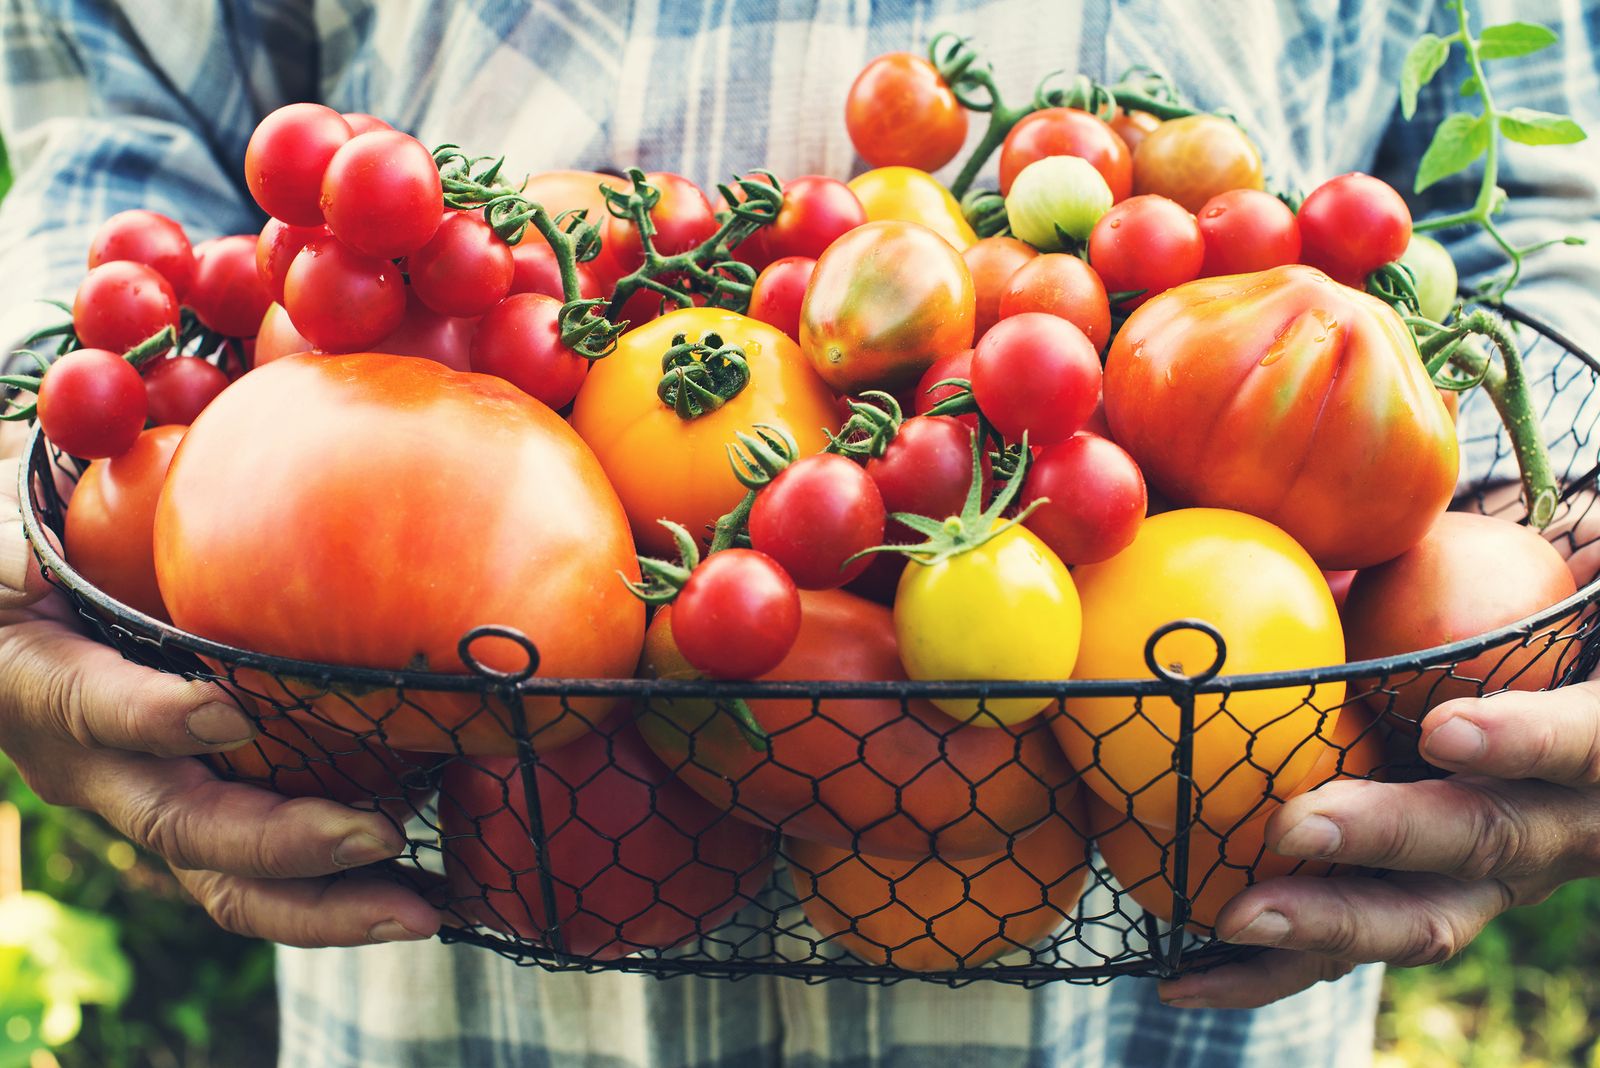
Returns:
<point x="1466" y="827"/>
<point x="1408" y="920"/>
<point x="313" y="912"/>
<point x="87" y="691"/>
<point x="1552" y="735"/>
<point x="21" y="581"/>
<point x="1252" y="983"/>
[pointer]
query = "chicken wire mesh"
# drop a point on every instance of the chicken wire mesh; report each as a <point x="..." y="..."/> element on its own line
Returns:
<point x="631" y="824"/>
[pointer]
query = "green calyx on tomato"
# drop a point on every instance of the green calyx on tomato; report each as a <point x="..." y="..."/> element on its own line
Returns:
<point x="875" y="419"/>
<point x="701" y="376"/>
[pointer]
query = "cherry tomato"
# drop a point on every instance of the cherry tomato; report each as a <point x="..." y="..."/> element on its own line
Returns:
<point x="1064" y="286"/>
<point x="119" y="304"/>
<point x="1435" y="276"/>
<point x="148" y="238"/>
<point x="1036" y="374"/>
<point x="1094" y="498"/>
<point x="956" y="365"/>
<point x="900" y="112"/>
<point x="228" y="294"/>
<point x="738" y="615"/>
<point x="817" y="514"/>
<point x="1133" y="127"/>
<point x="683" y="218"/>
<point x="1055" y="202"/>
<point x="381" y="194"/>
<point x="535" y="270"/>
<point x="286" y="159"/>
<point x="464" y="269"/>
<point x="1193" y="158"/>
<point x="177" y="388"/>
<point x="779" y="291"/>
<point x="992" y="262"/>
<point x="424" y="332"/>
<point x="815" y="212"/>
<point x="1067" y="132"/>
<point x="276" y="248"/>
<point x="520" y="341"/>
<point x="340" y="300"/>
<point x="926" y="470"/>
<point x="360" y="122"/>
<point x="1339" y="586"/>
<point x="1353" y="224"/>
<point x="1147" y="244"/>
<point x="92" y="403"/>
<point x="1246" y="230"/>
<point x="277" y="338"/>
<point x="905" y="194"/>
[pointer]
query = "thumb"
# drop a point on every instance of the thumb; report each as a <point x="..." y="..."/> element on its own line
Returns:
<point x="21" y="581"/>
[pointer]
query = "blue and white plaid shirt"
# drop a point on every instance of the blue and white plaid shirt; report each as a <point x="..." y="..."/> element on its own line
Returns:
<point x="149" y="104"/>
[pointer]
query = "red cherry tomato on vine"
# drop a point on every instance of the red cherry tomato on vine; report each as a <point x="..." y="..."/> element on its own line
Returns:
<point x="424" y="332"/>
<point x="1061" y="285"/>
<point x="381" y="194"/>
<point x="276" y="247"/>
<point x="535" y="270"/>
<point x="926" y="470"/>
<point x="1038" y="374"/>
<point x="1067" y="132"/>
<point x="779" y="291"/>
<point x="816" y="210"/>
<point x="901" y="113"/>
<point x="92" y="404"/>
<point x="228" y="294"/>
<point x="119" y="304"/>
<point x="738" y="615"/>
<point x="1352" y="225"/>
<point x="519" y="340"/>
<point x="340" y="300"/>
<point x="287" y="157"/>
<point x="1146" y="243"/>
<point x="956" y="365"/>
<point x="991" y="263"/>
<point x="1095" y="498"/>
<point x="464" y="269"/>
<point x="1247" y="230"/>
<point x="683" y="219"/>
<point x="360" y="122"/>
<point x="177" y="388"/>
<point x="816" y="515"/>
<point x="148" y="238"/>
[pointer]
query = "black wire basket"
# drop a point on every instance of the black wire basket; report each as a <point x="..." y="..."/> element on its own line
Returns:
<point x="872" y="838"/>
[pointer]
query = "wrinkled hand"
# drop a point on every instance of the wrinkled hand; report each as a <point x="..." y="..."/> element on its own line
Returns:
<point x="88" y="729"/>
<point x="1520" y="816"/>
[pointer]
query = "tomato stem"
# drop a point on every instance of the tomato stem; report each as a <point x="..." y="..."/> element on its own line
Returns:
<point x="873" y="424"/>
<point x="698" y="377"/>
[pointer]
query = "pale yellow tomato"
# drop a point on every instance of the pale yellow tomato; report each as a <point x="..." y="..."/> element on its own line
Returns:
<point x="905" y="194"/>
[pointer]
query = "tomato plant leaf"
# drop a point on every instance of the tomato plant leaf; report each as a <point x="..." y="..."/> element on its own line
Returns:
<point x="1469" y="86"/>
<point x="1529" y="127"/>
<point x="1459" y="140"/>
<point x="1514" y="39"/>
<point x="1422" y="63"/>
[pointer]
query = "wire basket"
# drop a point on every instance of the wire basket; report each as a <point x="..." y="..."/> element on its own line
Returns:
<point x="874" y="838"/>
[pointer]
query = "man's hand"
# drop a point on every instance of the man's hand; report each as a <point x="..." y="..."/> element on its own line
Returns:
<point x="89" y="729"/>
<point x="1520" y="817"/>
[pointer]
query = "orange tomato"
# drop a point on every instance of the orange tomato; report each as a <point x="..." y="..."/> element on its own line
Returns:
<point x="992" y="262"/>
<point x="1193" y="158"/>
<point x="1133" y="127"/>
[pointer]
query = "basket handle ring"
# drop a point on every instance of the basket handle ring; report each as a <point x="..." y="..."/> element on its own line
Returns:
<point x="1171" y="673"/>
<point x="510" y="634"/>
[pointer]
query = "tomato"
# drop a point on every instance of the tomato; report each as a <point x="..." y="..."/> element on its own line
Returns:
<point x="1266" y="597"/>
<point x="816" y="211"/>
<point x="1470" y="574"/>
<point x="119" y="304"/>
<point x="1133" y="127"/>
<point x="683" y="219"/>
<point x="534" y="270"/>
<point x="562" y="191"/>
<point x="1434" y="274"/>
<point x="276" y="247"/>
<point x="520" y="341"/>
<point x="738" y="615"/>
<point x="901" y="112"/>
<point x="148" y="238"/>
<point x="896" y="778"/>
<point x="1339" y="586"/>
<point x="886" y="300"/>
<point x="992" y="262"/>
<point x="1193" y="158"/>
<point x="360" y="122"/>
<point x="287" y="156"/>
<point x="424" y="332"/>
<point x="341" y="300"/>
<point x="1056" y="201"/>
<point x="1036" y="374"/>
<point x="905" y="194"/>
<point x="1067" y="132"/>
<point x="635" y="859"/>
<point x="1094" y="498"/>
<point x="934" y="914"/>
<point x="1352" y="225"/>
<point x="277" y="337"/>
<point x="228" y="294"/>
<point x="1061" y="285"/>
<point x="452" y="460"/>
<point x="1291" y="397"/>
<point x="177" y="388"/>
<point x="1225" y="855"/>
<point x="92" y="404"/>
<point x="926" y="470"/>
<point x="303" y="759"/>
<point x="111" y="523"/>
<point x="665" y="467"/>
<point x="381" y="194"/>
<point x="1146" y="245"/>
<point x="815" y="516"/>
<point x="464" y="269"/>
<point x="1246" y="230"/>
<point x="958" y="365"/>
<point x="779" y="291"/>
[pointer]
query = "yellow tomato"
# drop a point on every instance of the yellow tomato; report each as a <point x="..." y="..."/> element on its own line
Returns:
<point x="905" y="194"/>
<point x="1007" y="609"/>
<point x="1263" y="593"/>
<point x="667" y="467"/>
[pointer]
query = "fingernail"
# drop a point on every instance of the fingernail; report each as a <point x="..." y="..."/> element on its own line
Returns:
<point x="393" y="931"/>
<point x="362" y="848"/>
<point x="1194" y="1002"/>
<point x="1457" y="741"/>
<point x="218" y="724"/>
<point x="1314" y="836"/>
<point x="1267" y="929"/>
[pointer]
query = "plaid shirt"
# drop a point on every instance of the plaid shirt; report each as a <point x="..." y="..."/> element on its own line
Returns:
<point x="150" y="104"/>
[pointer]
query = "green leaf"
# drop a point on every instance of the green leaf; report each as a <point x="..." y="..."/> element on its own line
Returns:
<point x="1459" y="140"/>
<point x="1514" y="39"/>
<point x="1529" y="127"/>
<point x="1469" y="86"/>
<point x="78" y="950"/>
<point x="1422" y="63"/>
